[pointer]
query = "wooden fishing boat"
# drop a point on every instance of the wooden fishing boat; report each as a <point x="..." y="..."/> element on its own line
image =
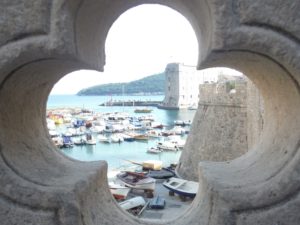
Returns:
<point x="181" y="187"/>
<point x="141" y="137"/>
<point x="119" y="191"/>
<point x="137" y="180"/>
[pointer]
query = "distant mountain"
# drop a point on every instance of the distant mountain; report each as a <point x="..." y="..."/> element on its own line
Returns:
<point x="151" y="85"/>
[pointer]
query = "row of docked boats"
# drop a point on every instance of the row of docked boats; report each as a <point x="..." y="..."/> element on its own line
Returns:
<point x="88" y="128"/>
<point x="146" y="180"/>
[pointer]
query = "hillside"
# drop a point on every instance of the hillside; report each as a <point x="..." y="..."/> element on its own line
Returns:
<point x="150" y="85"/>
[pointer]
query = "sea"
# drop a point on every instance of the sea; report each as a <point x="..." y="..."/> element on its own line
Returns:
<point x="119" y="156"/>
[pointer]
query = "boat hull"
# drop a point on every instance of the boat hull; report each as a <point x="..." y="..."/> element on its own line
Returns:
<point x="182" y="187"/>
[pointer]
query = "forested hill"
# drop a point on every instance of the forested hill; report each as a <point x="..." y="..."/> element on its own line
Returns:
<point x="151" y="85"/>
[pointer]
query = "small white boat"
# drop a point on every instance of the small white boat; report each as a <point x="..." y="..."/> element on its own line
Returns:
<point x="182" y="187"/>
<point x="127" y="137"/>
<point x="102" y="138"/>
<point x="167" y="146"/>
<point x="154" y="150"/>
<point x="153" y="134"/>
<point x="80" y="141"/>
<point x="178" y="130"/>
<point x="133" y="203"/>
<point x="116" y="138"/>
<point x="177" y="140"/>
<point x="90" y="140"/>
<point x="137" y="180"/>
<point x="119" y="191"/>
<point x="182" y="123"/>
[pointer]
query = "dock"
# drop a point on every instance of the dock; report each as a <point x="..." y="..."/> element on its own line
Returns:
<point x="131" y="103"/>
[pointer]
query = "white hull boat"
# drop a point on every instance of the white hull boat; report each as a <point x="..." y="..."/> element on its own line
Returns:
<point x="133" y="203"/>
<point x="104" y="139"/>
<point x="182" y="187"/>
<point x="116" y="138"/>
<point x="154" y="150"/>
<point x="167" y="146"/>
<point x="90" y="140"/>
<point x="119" y="191"/>
<point x="136" y="180"/>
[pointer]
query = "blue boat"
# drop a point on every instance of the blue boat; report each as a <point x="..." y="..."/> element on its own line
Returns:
<point x="157" y="203"/>
<point x="67" y="142"/>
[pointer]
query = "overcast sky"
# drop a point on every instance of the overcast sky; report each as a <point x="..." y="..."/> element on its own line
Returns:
<point x="140" y="43"/>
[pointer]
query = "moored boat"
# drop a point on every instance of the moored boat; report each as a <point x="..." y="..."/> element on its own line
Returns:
<point x="141" y="137"/>
<point x="90" y="140"/>
<point x="136" y="180"/>
<point x="103" y="138"/>
<point x="157" y="203"/>
<point x="153" y="134"/>
<point x="127" y="137"/>
<point x="154" y="150"/>
<point x="167" y="146"/>
<point x="133" y="203"/>
<point x="164" y="173"/>
<point x="80" y="141"/>
<point x="142" y="110"/>
<point x="119" y="191"/>
<point x="67" y="142"/>
<point x="182" y="187"/>
<point x="116" y="138"/>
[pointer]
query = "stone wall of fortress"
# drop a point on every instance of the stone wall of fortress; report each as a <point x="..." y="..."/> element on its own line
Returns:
<point x="227" y="123"/>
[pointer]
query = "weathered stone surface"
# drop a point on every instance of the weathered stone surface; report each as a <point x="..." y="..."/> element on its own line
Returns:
<point x="23" y="19"/>
<point x="219" y="129"/>
<point x="41" y="186"/>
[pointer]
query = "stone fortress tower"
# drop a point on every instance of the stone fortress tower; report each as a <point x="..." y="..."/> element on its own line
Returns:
<point x="223" y="126"/>
<point x="182" y="85"/>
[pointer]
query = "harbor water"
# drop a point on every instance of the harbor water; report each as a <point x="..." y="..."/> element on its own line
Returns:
<point x="117" y="154"/>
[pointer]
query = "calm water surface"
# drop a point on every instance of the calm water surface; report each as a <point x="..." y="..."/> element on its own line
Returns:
<point x="116" y="154"/>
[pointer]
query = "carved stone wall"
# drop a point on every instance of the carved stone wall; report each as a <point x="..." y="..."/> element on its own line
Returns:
<point x="41" y="41"/>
